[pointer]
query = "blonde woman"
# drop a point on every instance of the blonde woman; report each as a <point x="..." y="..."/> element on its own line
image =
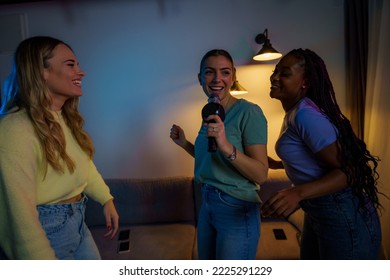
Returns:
<point x="46" y="168"/>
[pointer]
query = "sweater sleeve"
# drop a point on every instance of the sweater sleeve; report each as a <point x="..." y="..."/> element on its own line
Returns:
<point x="96" y="188"/>
<point x="21" y="234"/>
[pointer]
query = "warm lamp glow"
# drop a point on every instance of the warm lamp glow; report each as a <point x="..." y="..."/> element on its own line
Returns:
<point x="267" y="52"/>
<point x="267" y="56"/>
<point x="237" y="89"/>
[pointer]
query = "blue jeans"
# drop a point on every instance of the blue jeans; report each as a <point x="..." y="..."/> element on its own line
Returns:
<point x="228" y="228"/>
<point x="336" y="227"/>
<point x="67" y="232"/>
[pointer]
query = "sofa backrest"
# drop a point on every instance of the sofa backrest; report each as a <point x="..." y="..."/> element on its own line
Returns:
<point x="165" y="199"/>
<point x="276" y="181"/>
<point x="148" y="201"/>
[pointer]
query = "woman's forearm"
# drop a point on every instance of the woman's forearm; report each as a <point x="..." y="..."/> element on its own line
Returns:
<point x="333" y="181"/>
<point x="253" y="164"/>
<point x="189" y="148"/>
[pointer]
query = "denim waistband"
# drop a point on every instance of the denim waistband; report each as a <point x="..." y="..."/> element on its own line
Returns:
<point x="65" y="207"/>
<point x="208" y="187"/>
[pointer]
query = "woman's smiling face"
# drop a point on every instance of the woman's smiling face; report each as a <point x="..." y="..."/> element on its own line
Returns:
<point x="288" y="81"/>
<point x="217" y="76"/>
<point x="63" y="75"/>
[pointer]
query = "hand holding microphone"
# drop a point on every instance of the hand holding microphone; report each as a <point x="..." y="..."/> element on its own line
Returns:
<point x="213" y="107"/>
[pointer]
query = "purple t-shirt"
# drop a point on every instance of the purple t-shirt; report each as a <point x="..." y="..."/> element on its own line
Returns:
<point x="305" y="131"/>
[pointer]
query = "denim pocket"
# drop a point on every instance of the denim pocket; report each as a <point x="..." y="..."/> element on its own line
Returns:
<point x="231" y="201"/>
<point x="371" y="220"/>
<point x="54" y="222"/>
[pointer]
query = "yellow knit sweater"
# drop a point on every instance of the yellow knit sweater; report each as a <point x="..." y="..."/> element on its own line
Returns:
<point x="22" y="186"/>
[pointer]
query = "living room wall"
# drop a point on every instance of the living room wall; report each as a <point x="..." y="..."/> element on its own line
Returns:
<point x="141" y="60"/>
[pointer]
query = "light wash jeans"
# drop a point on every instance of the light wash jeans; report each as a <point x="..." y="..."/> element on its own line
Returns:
<point x="228" y="228"/>
<point x="335" y="227"/>
<point x="67" y="232"/>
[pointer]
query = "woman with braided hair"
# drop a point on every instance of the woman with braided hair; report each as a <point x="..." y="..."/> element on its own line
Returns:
<point x="333" y="174"/>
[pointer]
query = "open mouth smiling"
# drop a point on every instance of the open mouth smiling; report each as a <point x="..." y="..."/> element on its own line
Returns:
<point x="77" y="83"/>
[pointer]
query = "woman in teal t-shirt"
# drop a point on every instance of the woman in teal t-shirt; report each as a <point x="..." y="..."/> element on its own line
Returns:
<point x="229" y="218"/>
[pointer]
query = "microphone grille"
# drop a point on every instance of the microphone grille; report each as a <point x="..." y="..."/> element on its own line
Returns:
<point x="214" y="98"/>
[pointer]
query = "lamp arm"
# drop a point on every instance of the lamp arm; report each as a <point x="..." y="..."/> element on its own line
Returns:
<point x="262" y="37"/>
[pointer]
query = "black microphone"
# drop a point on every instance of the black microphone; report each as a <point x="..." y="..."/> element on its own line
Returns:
<point x="213" y="107"/>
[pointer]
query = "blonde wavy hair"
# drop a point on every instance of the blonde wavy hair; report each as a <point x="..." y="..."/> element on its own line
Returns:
<point x="28" y="90"/>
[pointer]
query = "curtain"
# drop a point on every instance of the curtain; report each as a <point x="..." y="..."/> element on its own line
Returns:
<point x="356" y="39"/>
<point x="377" y="131"/>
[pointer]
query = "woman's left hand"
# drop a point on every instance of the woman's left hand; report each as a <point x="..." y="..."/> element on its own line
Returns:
<point x="282" y="204"/>
<point x="112" y="219"/>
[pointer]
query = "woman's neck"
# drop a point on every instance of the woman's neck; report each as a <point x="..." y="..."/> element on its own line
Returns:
<point x="230" y="100"/>
<point x="287" y="106"/>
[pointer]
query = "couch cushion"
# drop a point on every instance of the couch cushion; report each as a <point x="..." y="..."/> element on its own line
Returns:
<point x="148" y="201"/>
<point x="271" y="245"/>
<point x="151" y="242"/>
<point x="277" y="180"/>
<point x="279" y="240"/>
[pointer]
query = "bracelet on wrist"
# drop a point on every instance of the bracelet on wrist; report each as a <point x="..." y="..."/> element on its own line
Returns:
<point x="233" y="155"/>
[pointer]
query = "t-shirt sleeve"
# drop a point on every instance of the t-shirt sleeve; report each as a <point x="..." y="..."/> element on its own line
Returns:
<point x="254" y="126"/>
<point x="315" y="129"/>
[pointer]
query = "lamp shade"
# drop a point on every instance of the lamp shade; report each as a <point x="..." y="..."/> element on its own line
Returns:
<point x="237" y="88"/>
<point x="267" y="52"/>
